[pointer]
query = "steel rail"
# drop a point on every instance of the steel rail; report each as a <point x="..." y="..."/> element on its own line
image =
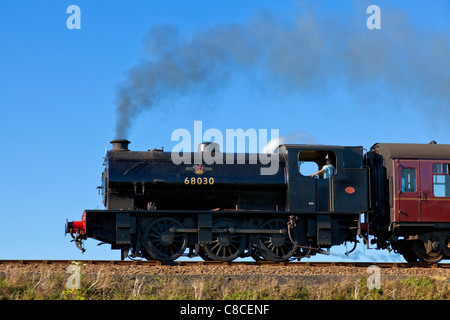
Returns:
<point x="233" y="263"/>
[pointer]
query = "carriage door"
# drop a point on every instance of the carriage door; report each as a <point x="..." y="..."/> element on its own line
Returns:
<point x="407" y="193"/>
<point x="435" y="187"/>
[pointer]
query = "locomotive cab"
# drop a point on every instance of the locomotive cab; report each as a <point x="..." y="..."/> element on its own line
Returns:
<point x="344" y="192"/>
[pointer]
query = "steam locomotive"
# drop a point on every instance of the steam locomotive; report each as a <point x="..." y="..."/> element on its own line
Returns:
<point x="395" y="196"/>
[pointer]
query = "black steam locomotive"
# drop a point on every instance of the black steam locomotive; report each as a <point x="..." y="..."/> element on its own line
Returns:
<point x="397" y="193"/>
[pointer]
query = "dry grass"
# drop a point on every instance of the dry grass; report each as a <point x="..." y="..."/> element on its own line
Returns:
<point x="46" y="285"/>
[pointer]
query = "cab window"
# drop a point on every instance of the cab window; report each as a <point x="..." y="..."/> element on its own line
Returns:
<point x="311" y="161"/>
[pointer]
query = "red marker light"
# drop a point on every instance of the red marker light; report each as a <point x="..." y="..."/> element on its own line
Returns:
<point x="350" y="190"/>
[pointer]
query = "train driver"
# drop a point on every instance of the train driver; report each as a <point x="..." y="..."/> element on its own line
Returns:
<point x="327" y="169"/>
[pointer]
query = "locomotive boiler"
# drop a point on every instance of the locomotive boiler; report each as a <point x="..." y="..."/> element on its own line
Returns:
<point x="158" y="209"/>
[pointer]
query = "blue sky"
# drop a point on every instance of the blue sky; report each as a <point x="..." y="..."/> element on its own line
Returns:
<point x="59" y="91"/>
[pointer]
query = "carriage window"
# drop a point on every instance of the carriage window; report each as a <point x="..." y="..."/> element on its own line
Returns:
<point x="408" y="178"/>
<point x="441" y="168"/>
<point x="441" y="180"/>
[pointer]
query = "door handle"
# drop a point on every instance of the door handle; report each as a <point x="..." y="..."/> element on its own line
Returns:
<point x="422" y="196"/>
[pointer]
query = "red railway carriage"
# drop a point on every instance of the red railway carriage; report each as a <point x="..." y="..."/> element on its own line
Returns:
<point x="411" y="198"/>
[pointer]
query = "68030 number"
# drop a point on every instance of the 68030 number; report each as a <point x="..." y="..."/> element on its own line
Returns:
<point x="199" y="180"/>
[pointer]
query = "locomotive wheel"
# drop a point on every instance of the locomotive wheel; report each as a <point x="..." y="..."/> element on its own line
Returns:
<point x="161" y="242"/>
<point x="421" y="251"/>
<point x="276" y="246"/>
<point x="226" y="246"/>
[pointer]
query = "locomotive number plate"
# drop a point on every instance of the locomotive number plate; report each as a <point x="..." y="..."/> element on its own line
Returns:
<point x="199" y="181"/>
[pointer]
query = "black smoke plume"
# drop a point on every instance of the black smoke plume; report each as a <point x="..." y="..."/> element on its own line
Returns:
<point x="306" y="53"/>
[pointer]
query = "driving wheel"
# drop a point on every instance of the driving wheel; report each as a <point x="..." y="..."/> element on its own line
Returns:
<point x="161" y="242"/>
<point x="226" y="245"/>
<point x="275" y="246"/>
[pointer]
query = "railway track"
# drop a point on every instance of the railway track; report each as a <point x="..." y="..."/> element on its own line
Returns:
<point x="234" y="263"/>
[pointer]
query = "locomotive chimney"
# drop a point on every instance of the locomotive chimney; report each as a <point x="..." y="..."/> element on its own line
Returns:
<point x="120" y="145"/>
